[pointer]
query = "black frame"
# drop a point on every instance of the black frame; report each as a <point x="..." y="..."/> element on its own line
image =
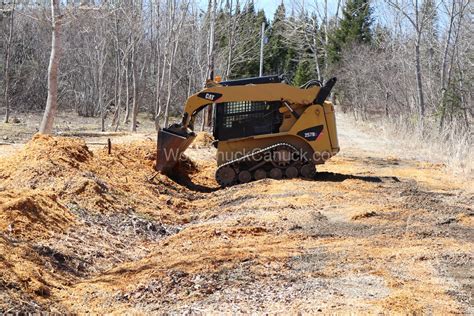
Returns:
<point x="246" y="118"/>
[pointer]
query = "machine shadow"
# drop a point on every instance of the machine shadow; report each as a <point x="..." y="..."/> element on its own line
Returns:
<point x="186" y="181"/>
<point x="339" y="177"/>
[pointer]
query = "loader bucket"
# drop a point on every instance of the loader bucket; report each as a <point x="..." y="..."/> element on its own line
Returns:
<point x="171" y="144"/>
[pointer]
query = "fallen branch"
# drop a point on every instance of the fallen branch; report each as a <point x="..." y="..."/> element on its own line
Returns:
<point x="152" y="177"/>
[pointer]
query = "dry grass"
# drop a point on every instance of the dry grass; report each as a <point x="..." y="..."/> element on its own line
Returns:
<point x="453" y="150"/>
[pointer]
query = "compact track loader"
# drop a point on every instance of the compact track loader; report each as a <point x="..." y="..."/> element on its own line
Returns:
<point x="263" y="127"/>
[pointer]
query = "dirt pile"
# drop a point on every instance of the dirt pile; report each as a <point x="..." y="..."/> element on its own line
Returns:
<point x="27" y="276"/>
<point x="42" y="159"/>
<point x="32" y="214"/>
<point x="60" y="171"/>
<point x="56" y="194"/>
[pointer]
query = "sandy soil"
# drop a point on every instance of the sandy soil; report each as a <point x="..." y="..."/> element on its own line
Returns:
<point x="376" y="231"/>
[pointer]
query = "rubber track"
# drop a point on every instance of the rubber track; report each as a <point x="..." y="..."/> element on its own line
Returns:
<point x="256" y="153"/>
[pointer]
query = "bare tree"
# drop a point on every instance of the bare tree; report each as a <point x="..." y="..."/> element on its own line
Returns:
<point x="447" y="64"/>
<point x="173" y="49"/>
<point x="211" y="55"/>
<point x="416" y="19"/>
<point x="46" y="126"/>
<point x="6" y="95"/>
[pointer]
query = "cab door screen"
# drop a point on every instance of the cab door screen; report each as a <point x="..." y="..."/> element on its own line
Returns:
<point x="246" y="118"/>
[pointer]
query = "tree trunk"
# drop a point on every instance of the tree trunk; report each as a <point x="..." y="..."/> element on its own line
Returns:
<point x="6" y="95"/>
<point x="174" y="50"/>
<point x="133" y="126"/>
<point x="419" y="83"/>
<point x="118" y="106"/>
<point x="101" y="100"/>
<point x="209" y="109"/>
<point x="230" y="43"/>
<point x="118" y="74"/>
<point x="419" y="79"/>
<point x="337" y="12"/>
<point x="326" y="38"/>
<point x="127" y="93"/>
<point x="444" y="66"/>
<point x="157" y="96"/>
<point x="315" y="53"/>
<point x="387" y="111"/>
<point x="446" y="74"/>
<point x="46" y="126"/>
<point x="168" y="96"/>
<point x="157" y="110"/>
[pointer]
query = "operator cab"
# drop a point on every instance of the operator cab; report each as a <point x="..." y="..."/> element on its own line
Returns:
<point x="246" y="118"/>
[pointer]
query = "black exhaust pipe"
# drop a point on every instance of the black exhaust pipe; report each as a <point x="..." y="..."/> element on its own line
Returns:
<point x="325" y="91"/>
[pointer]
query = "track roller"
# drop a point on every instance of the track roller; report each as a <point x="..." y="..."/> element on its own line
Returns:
<point x="260" y="174"/>
<point x="291" y="172"/>
<point x="276" y="173"/>
<point x="308" y="171"/>
<point x="245" y="176"/>
<point x="225" y="176"/>
<point x="285" y="162"/>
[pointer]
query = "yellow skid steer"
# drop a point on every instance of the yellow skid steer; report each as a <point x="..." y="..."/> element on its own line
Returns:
<point x="263" y="127"/>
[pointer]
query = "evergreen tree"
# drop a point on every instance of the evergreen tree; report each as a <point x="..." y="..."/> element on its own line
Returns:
<point x="304" y="71"/>
<point x="355" y="27"/>
<point x="291" y="62"/>
<point x="293" y="48"/>
<point x="221" y="33"/>
<point x="249" y="33"/>
<point x="277" y="50"/>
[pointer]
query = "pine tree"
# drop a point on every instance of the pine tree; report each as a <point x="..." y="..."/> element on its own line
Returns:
<point x="304" y="71"/>
<point x="277" y="50"/>
<point x="291" y="62"/>
<point x="249" y="32"/>
<point x="354" y="27"/>
<point x="221" y="32"/>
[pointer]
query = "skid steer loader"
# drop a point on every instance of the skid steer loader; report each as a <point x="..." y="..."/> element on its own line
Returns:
<point x="263" y="127"/>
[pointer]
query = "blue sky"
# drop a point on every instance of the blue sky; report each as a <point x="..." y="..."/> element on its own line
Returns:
<point x="268" y="5"/>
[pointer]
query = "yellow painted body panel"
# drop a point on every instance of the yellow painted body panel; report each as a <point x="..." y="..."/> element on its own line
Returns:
<point x="259" y="92"/>
<point x="321" y="149"/>
<point x="300" y="100"/>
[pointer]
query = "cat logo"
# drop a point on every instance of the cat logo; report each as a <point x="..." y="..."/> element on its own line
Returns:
<point x="211" y="96"/>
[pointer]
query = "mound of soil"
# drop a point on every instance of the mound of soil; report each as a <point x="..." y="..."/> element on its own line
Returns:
<point x="56" y="194"/>
<point x="52" y="172"/>
<point x="32" y="214"/>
